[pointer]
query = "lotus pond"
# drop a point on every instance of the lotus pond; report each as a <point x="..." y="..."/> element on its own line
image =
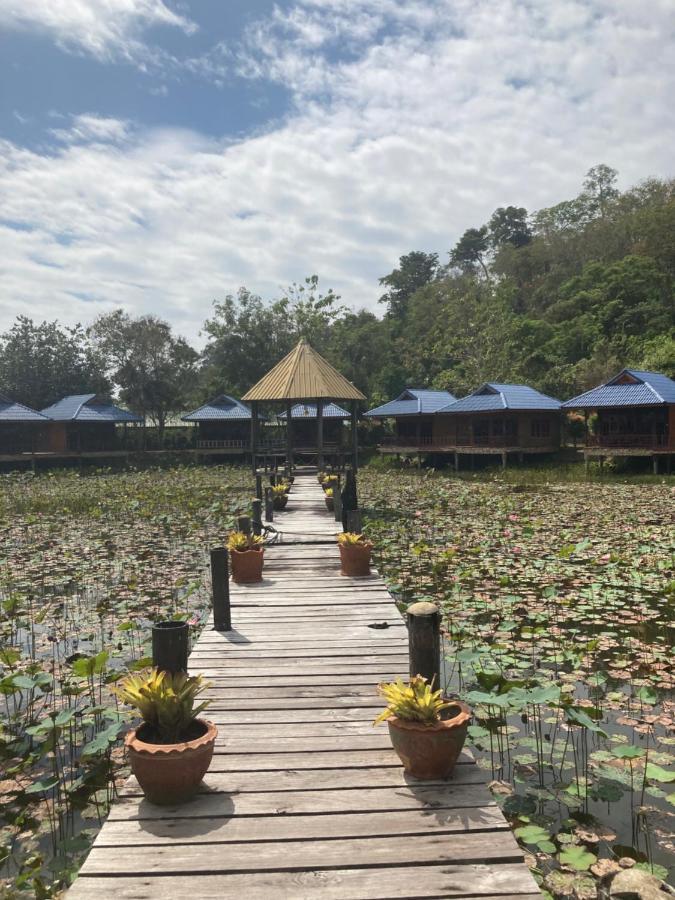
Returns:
<point x="558" y="605"/>
<point x="87" y="563"/>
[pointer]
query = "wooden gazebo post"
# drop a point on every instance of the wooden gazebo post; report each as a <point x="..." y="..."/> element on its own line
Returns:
<point x="254" y="435"/>
<point x="355" y="438"/>
<point x="319" y="433"/>
<point x="289" y="438"/>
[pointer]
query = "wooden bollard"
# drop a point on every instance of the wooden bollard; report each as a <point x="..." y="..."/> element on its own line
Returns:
<point x="269" y="505"/>
<point x="244" y="524"/>
<point x="273" y="478"/>
<point x="170" y="646"/>
<point x="220" y="590"/>
<point x="354" y="521"/>
<point x="337" y="501"/>
<point x="256" y="516"/>
<point x="258" y="486"/>
<point x="424" y="641"/>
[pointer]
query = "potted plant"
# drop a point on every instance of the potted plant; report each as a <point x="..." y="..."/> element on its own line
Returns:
<point x="247" y="556"/>
<point x="328" y="497"/>
<point x="427" y="730"/>
<point x="329" y="482"/>
<point x="170" y="752"/>
<point x="355" y="551"/>
<point x="280" y="496"/>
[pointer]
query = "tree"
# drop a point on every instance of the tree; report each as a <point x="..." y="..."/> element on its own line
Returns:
<point x="508" y="225"/>
<point x="600" y="189"/>
<point x="470" y="250"/>
<point x="414" y="271"/>
<point x="39" y="364"/>
<point x="152" y="368"/>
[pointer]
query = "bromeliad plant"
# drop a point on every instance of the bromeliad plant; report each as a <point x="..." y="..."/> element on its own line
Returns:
<point x="280" y="495"/>
<point x="412" y="702"/>
<point x="350" y="538"/>
<point x="241" y="542"/>
<point x="165" y="702"/>
<point x="355" y="551"/>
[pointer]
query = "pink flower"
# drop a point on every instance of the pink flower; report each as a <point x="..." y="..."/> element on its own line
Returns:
<point x="513" y="517"/>
<point x="517" y="550"/>
<point x="418" y="513"/>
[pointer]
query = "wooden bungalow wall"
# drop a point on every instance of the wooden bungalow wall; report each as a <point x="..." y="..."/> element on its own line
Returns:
<point x="508" y="429"/>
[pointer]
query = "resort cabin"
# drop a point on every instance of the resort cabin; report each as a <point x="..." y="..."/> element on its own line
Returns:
<point x="22" y="429"/>
<point x="223" y="423"/>
<point x="304" y="426"/>
<point x="86" y="423"/>
<point x="412" y="413"/>
<point x="633" y="415"/>
<point x="499" y="419"/>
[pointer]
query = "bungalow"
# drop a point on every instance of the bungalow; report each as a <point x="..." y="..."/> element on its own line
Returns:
<point x="224" y="423"/>
<point x="21" y="428"/>
<point x="84" y="423"/>
<point x="498" y="419"/>
<point x="412" y="412"/>
<point x="304" y="425"/>
<point x="635" y="416"/>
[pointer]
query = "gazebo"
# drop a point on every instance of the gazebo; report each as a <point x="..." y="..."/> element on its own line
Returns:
<point x="303" y="376"/>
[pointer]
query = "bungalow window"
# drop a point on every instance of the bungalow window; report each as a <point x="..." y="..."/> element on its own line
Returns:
<point x="540" y="428"/>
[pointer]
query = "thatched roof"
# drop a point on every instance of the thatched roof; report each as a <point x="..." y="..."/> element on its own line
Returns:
<point x="303" y="375"/>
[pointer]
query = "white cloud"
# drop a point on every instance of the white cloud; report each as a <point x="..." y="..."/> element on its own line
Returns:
<point x="438" y="113"/>
<point x="106" y="29"/>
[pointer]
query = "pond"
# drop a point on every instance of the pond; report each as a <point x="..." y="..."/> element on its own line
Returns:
<point x="88" y="563"/>
<point x="558" y="607"/>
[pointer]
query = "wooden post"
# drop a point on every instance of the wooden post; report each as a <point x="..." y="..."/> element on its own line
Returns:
<point x="355" y="438"/>
<point x="254" y="434"/>
<point x="354" y="521"/>
<point x="319" y="433"/>
<point x="337" y="500"/>
<point x="220" y="590"/>
<point x="505" y="458"/>
<point x="289" y="438"/>
<point x="170" y="646"/>
<point x="655" y="464"/>
<point x="258" y="486"/>
<point x="244" y="524"/>
<point x="256" y="516"/>
<point x="269" y="505"/>
<point x="424" y="641"/>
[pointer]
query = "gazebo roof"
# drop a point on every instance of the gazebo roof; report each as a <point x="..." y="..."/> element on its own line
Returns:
<point x="303" y="375"/>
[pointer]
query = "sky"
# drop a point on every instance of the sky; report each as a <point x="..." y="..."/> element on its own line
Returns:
<point x="159" y="154"/>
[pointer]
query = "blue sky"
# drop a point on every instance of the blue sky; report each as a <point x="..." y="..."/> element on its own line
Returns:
<point x="157" y="154"/>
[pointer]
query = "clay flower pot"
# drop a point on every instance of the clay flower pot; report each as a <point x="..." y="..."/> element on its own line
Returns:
<point x="355" y="558"/>
<point x="329" y="504"/>
<point x="171" y="773"/>
<point x="279" y="501"/>
<point x="247" y="565"/>
<point x="431" y="751"/>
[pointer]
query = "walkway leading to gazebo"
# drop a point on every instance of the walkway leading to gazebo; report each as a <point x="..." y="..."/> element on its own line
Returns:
<point x="305" y="799"/>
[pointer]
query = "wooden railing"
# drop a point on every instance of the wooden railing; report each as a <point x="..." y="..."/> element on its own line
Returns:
<point x="628" y="441"/>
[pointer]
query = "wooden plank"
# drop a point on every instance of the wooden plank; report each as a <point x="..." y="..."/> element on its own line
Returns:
<point x="449" y="879"/>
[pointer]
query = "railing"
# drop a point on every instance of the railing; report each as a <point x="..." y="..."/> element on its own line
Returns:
<point x="627" y="441"/>
<point x="223" y="445"/>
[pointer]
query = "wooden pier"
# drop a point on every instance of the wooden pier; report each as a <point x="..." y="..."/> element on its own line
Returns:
<point x="304" y="798"/>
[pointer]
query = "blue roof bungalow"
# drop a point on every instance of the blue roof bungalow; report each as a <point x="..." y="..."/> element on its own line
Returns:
<point x="499" y="419"/>
<point x="223" y="423"/>
<point x="85" y="423"/>
<point x="22" y="429"/>
<point x="304" y="426"/>
<point x="413" y="415"/>
<point x="635" y="416"/>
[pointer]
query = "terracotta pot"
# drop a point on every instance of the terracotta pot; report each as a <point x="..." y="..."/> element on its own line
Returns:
<point x="355" y="558"/>
<point x="170" y="773"/>
<point x="431" y="751"/>
<point x="280" y="501"/>
<point x="247" y="565"/>
<point x="329" y="503"/>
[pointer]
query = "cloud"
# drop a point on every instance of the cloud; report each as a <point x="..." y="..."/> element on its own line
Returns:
<point x="409" y="125"/>
<point x="105" y="29"/>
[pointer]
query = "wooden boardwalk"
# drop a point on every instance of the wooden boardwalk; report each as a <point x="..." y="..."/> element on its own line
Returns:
<point x="305" y="799"/>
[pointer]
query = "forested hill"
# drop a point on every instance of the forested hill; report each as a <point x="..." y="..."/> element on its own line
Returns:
<point x="560" y="299"/>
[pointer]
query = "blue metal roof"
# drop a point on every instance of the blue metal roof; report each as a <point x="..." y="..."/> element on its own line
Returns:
<point x="11" y="411"/>
<point x="413" y="402"/>
<point x="494" y="397"/>
<point x="648" y="389"/>
<point x="308" y="411"/>
<point x="221" y="408"/>
<point x="87" y="408"/>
